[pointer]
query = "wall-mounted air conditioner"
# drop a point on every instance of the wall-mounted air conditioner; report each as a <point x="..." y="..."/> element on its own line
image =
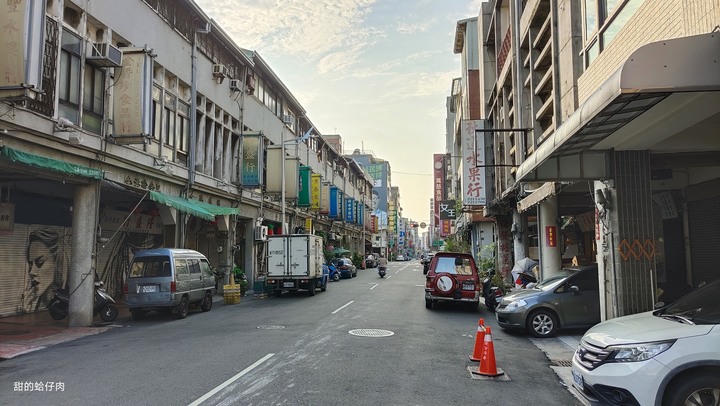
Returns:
<point x="235" y="85"/>
<point x="104" y="54"/>
<point x="219" y="71"/>
<point x="287" y="119"/>
<point x="250" y="82"/>
<point x="261" y="233"/>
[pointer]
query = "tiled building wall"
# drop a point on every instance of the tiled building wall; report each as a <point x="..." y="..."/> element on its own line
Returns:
<point x="655" y="20"/>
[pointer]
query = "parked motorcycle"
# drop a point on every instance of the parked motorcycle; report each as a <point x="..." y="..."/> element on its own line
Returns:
<point x="104" y="304"/>
<point x="492" y="294"/>
<point x="333" y="272"/>
<point x="381" y="271"/>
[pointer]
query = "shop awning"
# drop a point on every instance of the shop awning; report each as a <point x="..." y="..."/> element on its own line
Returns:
<point x="649" y="75"/>
<point x="214" y="209"/>
<point x="540" y="194"/>
<point x="51" y="164"/>
<point x="181" y="204"/>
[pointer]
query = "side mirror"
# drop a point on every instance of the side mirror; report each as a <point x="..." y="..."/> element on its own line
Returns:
<point x="574" y="289"/>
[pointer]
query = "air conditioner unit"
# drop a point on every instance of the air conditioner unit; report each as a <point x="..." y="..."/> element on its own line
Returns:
<point x="235" y="85"/>
<point x="287" y="119"/>
<point x="219" y="71"/>
<point x="104" y="54"/>
<point x="250" y="81"/>
<point x="261" y="233"/>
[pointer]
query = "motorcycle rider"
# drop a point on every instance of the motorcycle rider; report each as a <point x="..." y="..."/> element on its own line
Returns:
<point x="382" y="262"/>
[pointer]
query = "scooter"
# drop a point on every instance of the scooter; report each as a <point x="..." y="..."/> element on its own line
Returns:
<point x="492" y="294"/>
<point x="381" y="271"/>
<point x="104" y="304"/>
<point x="333" y="273"/>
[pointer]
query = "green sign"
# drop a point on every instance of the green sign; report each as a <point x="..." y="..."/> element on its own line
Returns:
<point x="437" y="243"/>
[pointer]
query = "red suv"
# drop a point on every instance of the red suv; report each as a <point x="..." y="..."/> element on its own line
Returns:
<point x="452" y="277"/>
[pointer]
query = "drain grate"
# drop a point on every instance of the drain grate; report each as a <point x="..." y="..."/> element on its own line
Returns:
<point x="562" y="363"/>
<point x="271" y="327"/>
<point x="370" y="332"/>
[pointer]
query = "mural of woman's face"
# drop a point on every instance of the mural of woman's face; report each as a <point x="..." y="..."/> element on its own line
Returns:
<point x="41" y="271"/>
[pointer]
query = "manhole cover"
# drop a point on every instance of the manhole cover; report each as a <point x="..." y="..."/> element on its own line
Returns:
<point x="271" y="327"/>
<point x="14" y="332"/>
<point x="370" y="332"/>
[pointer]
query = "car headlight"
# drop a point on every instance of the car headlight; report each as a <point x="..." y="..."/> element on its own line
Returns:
<point x="639" y="352"/>
<point x="516" y="304"/>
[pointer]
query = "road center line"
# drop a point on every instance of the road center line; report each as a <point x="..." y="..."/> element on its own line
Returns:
<point x="231" y="380"/>
<point x="375" y="285"/>
<point x="343" y="306"/>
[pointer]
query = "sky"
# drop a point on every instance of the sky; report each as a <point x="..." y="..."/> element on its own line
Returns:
<point x="377" y="72"/>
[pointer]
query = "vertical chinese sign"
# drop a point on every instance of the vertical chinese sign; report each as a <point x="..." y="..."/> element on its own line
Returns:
<point x="252" y="161"/>
<point x="439" y="184"/>
<point x="473" y="163"/>
<point x="315" y="191"/>
<point x="132" y="96"/>
<point x="22" y="41"/>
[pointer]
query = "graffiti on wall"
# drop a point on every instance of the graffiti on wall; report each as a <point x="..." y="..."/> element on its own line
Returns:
<point x="46" y="266"/>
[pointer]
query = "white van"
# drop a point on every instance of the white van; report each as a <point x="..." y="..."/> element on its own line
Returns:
<point x="169" y="279"/>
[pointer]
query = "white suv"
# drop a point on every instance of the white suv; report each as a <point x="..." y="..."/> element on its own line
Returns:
<point x="669" y="356"/>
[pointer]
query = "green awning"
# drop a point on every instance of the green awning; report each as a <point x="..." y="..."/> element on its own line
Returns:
<point x="216" y="210"/>
<point x="50" y="164"/>
<point x="182" y="204"/>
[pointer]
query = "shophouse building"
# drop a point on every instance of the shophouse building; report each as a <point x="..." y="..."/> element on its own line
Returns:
<point x="600" y="122"/>
<point x="139" y="124"/>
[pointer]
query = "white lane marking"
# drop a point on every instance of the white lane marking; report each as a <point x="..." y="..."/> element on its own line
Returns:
<point x="231" y="380"/>
<point x="375" y="285"/>
<point x="343" y="306"/>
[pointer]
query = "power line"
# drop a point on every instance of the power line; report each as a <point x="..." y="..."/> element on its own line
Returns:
<point x="416" y="174"/>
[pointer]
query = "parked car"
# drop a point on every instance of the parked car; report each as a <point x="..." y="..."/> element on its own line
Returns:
<point x="669" y="356"/>
<point x="426" y="261"/>
<point x="168" y="279"/>
<point x="452" y="277"/>
<point x="568" y="299"/>
<point x="400" y="257"/>
<point x="370" y="261"/>
<point x="346" y="267"/>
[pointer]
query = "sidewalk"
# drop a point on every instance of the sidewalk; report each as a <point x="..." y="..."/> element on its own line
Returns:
<point x="26" y="333"/>
<point x="560" y="351"/>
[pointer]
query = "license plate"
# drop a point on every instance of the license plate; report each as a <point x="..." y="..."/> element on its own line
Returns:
<point x="578" y="379"/>
<point x="468" y="286"/>
<point x="288" y="284"/>
<point x="149" y="289"/>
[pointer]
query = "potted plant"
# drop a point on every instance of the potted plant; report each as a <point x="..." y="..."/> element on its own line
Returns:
<point x="240" y="279"/>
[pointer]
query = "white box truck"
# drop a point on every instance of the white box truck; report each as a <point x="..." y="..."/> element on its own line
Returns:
<point x="296" y="262"/>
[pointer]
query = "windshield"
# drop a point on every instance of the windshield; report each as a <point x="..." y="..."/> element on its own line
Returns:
<point x="454" y="265"/>
<point x="552" y="281"/>
<point x="699" y="306"/>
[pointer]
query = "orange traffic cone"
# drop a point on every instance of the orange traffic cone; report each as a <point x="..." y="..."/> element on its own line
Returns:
<point x="479" y="342"/>
<point x="487" y="363"/>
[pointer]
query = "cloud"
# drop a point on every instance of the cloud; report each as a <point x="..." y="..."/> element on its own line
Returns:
<point x="308" y="28"/>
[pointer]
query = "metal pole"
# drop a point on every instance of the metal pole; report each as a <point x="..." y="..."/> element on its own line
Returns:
<point x="282" y="177"/>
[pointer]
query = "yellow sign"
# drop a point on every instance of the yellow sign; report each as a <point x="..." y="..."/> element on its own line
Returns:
<point x="315" y="191"/>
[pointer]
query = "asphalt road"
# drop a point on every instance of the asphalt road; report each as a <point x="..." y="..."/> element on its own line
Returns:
<point x="365" y="341"/>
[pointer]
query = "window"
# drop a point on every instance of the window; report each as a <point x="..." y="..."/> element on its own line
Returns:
<point x="169" y="112"/>
<point x="93" y="97"/>
<point x="194" y="265"/>
<point x="603" y="20"/>
<point x="183" y="124"/>
<point x="69" y="81"/>
<point x="156" y="113"/>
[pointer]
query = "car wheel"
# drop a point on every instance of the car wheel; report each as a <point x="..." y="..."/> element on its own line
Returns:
<point x="542" y="323"/>
<point x="109" y="313"/>
<point x="138" y="314"/>
<point x="336" y="277"/>
<point x="428" y="304"/>
<point x="207" y="302"/>
<point x="183" y="308"/>
<point x="696" y="389"/>
<point x="312" y="287"/>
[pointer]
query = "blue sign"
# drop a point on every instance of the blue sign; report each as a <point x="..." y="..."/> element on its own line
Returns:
<point x="349" y="210"/>
<point x="334" y="210"/>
